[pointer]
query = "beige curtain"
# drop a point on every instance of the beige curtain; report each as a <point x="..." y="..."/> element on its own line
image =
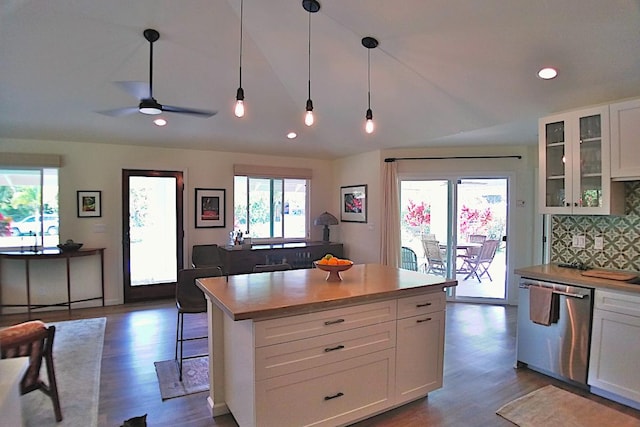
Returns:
<point x="390" y="240"/>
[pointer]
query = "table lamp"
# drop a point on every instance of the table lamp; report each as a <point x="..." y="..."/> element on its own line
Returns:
<point x="326" y="219"/>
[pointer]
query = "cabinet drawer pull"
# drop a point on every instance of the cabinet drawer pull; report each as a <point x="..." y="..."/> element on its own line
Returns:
<point x="427" y="304"/>
<point x="333" y="322"/>
<point x="339" y="394"/>
<point x="423" y="320"/>
<point x="338" y="347"/>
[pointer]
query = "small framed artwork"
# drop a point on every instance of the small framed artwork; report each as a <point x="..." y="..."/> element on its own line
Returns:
<point x="210" y="207"/>
<point x="353" y="200"/>
<point x="89" y="204"/>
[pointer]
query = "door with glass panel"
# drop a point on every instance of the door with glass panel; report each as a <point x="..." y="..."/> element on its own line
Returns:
<point x="152" y="233"/>
<point x="457" y="226"/>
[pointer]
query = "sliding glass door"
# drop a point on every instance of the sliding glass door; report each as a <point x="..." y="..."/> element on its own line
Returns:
<point x="466" y="217"/>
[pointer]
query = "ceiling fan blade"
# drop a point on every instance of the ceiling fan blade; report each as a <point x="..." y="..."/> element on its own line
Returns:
<point x="139" y="90"/>
<point x="119" y="112"/>
<point x="191" y="111"/>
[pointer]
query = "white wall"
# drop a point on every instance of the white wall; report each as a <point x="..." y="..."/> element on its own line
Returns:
<point x="99" y="167"/>
<point x="89" y="166"/>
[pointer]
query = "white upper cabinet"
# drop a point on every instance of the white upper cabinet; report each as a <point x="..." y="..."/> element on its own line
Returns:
<point x="625" y="140"/>
<point x="574" y="150"/>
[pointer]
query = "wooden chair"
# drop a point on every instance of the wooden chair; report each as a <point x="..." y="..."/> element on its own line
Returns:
<point x="478" y="265"/>
<point x="190" y="300"/>
<point x="262" y="268"/>
<point x="409" y="259"/>
<point x="436" y="260"/>
<point x="35" y="340"/>
<point x="471" y="251"/>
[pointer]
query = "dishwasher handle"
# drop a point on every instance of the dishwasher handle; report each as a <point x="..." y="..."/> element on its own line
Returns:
<point x="555" y="291"/>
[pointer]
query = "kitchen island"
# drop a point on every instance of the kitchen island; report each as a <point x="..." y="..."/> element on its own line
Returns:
<point x="290" y="348"/>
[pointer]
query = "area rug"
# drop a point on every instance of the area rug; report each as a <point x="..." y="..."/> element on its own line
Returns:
<point x="195" y="377"/>
<point x="77" y="358"/>
<point x="552" y="406"/>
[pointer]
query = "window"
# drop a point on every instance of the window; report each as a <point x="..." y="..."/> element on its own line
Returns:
<point x="28" y="208"/>
<point x="271" y="208"/>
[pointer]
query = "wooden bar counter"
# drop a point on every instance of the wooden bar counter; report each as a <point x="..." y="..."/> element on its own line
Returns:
<point x="290" y="348"/>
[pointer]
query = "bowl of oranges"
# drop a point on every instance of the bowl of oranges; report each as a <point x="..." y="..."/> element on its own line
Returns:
<point x="334" y="266"/>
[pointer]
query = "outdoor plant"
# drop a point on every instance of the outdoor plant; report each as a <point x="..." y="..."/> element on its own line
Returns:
<point x="418" y="215"/>
<point x="474" y="221"/>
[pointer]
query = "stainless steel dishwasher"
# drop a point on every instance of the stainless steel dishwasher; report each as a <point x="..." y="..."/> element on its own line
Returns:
<point x="561" y="349"/>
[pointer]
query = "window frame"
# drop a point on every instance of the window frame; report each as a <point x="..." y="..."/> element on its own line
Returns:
<point x="272" y="214"/>
<point x="42" y="239"/>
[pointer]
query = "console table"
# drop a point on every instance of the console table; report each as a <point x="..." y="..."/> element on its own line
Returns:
<point x="47" y="254"/>
<point x="239" y="260"/>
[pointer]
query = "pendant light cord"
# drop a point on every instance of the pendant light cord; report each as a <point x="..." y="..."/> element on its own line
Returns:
<point x="241" y="24"/>
<point x="369" y="77"/>
<point x="309" y="72"/>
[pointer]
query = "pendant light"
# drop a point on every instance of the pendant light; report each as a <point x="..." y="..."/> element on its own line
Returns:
<point x="369" y="43"/>
<point x="239" y="110"/>
<point x="311" y="6"/>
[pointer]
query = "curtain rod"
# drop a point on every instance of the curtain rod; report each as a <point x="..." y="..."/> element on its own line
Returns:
<point x="393" y="159"/>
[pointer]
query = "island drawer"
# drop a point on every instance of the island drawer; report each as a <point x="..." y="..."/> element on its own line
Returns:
<point x="276" y="331"/>
<point x="421" y="304"/>
<point x="285" y="358"/>
<point x="330" y="395"/>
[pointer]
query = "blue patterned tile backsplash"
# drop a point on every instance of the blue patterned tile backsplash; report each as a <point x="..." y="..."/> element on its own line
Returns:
<point x="621" y="235"/>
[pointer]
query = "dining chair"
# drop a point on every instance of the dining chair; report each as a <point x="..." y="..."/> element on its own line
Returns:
<point x="478" y="265"/>
<point x="408" y="259"/>
<point x="203" y="256"/>
<point x="436" y="260"/>
<point x="263" y="268"/>
<point x="190" y="300"/>
<point x="35" y="340"/>
<point x="475" y="238"/>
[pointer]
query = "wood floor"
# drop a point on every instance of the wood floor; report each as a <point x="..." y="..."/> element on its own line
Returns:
<point x="479" y="374"/>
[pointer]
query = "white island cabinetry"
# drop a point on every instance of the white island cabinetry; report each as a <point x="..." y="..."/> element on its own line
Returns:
<point x="615" y="347"/>
<point x="290" y="349"/>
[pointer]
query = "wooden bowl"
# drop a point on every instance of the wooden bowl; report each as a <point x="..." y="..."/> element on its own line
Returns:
<point x="334" y="270"/>
<point x="69" y="247"/>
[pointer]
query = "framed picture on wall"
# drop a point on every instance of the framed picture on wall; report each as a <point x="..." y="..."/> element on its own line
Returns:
<point x="210" y="207"/>
<point x="89" y="204"/>
<point x="353" y="202"/>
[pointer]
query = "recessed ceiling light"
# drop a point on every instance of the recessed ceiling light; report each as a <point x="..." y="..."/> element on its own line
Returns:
<point x="548" y="73"/>
<point x="160" y="122"/>
<point x="292" y="135"/>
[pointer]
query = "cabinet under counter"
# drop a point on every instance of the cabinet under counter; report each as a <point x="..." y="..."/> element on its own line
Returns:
<point x="289" y="338"/>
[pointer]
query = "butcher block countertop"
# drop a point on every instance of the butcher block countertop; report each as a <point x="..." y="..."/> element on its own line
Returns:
<point x="283" y="293"/>
<point x="572" y="276"/>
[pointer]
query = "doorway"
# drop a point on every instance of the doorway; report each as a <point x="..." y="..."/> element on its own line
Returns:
<point x="460" y="214"/>
<point x="152" y="233"/>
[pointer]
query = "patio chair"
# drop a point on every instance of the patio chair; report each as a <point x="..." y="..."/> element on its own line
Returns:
<point x="409" y="259"/>
<point x="478" y="265"/>
<point x="436" y="260"/>
<point x="471" y="250"/>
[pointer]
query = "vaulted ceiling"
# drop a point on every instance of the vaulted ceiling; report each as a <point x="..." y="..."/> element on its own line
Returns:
<point x="445" y="73"/>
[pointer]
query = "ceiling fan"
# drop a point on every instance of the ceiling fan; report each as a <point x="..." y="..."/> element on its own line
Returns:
<point x="142" y="91"/>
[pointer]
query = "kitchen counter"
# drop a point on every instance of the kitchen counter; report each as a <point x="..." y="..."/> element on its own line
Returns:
<point x="290" y="335"/>
<point x="284" y="293"/>
<point x="572" y="276"/>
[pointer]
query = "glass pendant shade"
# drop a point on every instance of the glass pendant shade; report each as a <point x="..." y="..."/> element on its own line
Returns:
<point x="239" y="110"/>
<point x="308" y="117"/>
<point x="369" y="126"/>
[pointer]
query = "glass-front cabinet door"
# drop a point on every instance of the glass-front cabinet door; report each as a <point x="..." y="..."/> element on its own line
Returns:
<point x="574" y="163"/>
